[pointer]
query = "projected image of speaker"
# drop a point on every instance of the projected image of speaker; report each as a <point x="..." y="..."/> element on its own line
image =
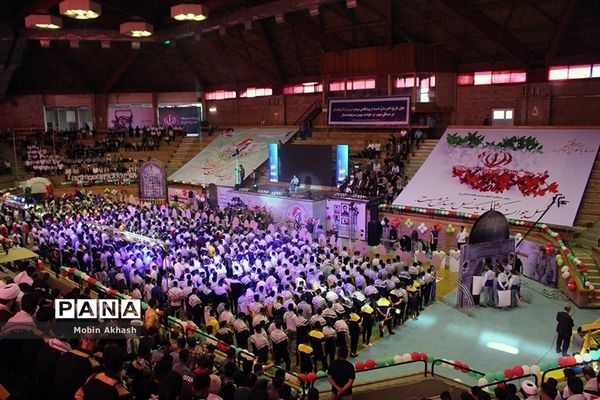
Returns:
<point x="312" y="164"/>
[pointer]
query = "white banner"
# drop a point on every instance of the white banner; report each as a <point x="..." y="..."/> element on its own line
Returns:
<point x="516" y="171"/>
<point x="217" y="162"/>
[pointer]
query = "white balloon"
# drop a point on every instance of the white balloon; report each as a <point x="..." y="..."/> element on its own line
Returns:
<point x="450" y="364"/>
<point x="482" y="382"/>
<point x="591" y="287"/>
<point x="397" y="359"/>
<point x="564" y="269"/>
<point x="578" y="358"/>
<point x="526" y="369"/>
<point x="588" y="284"/>
<point x="535" y="369"/>
<point x="566" y="275"/>
<point x="406" y="357"/>
<point x="587" y="357"/>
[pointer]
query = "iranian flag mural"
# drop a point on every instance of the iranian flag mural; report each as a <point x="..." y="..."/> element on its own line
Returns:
<point x="516" y="171"/>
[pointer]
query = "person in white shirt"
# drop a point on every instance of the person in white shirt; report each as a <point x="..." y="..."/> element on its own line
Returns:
<point x="514" y="283"/>
<point x="461" y="237"/>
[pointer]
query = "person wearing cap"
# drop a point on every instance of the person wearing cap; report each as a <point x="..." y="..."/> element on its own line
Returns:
<point x="367" y="323"/>
<point x="384" y="316"/>
<point x="529" y="390"/>
<point x="564" y="329"/>
<point x="317" y="342"/>
<point x="354" y="328"/>
<point x="8" y="301"/>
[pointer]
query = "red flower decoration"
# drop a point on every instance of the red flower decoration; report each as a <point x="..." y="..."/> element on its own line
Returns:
<point x="501" y="180"/>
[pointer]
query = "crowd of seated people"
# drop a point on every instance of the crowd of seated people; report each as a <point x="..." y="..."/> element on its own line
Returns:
<point x="281" y="294"/>
<point x="41" y="162"/>
<point x="165" y="133"/>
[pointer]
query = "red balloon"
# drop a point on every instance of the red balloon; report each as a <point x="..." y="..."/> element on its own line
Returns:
<point x="593" y="295"/>
<point x="583" y="268"/>
<point x="465" y="368"/>
<point x="423" y="356"/>
<point x="370" y="363"/>
<point x="548" y="244"/>
<point x="311" y="376"/>
<point x="359" y="365"/>
<point x="571" y="287"/>
<point x="518" y="370"/>
<point x="414" y="356"/>
<point x="563" y="362"/>
<point x="549" y="251"/>
<point x="572" y="281"/>
<point x="302" y="378"/>
<point x="457" y="365"/>
<point x="508" y="373"/>
<point x="571" y="360"/>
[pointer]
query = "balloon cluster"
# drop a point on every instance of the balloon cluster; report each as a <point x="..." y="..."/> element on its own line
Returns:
<point x="450" y="228"/>
<point x="422" y="228"/>
<point x="395" y="222"/>
<point x="409" y="223"/>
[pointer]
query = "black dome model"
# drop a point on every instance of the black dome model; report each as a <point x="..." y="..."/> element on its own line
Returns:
<point x="490" y="227"/>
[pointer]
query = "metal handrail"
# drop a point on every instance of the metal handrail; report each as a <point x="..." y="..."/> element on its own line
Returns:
<point x="442" y="361"/>
<point x="515" y="378"/>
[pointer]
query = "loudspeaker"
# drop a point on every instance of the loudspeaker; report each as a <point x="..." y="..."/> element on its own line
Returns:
<point x="374" y="233"/>
<point x="374" y="212"/>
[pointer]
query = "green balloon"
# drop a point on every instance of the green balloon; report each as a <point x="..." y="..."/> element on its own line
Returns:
<point x="321" y="374"/>
<point x="500" y="376"/>
<point x="380" y="363"/>
<point x="390" y="361"/>
<point x="553" y="364"/>
<point x="430" y="358"/>
<point x="490" y="377"/>
<point x="560" y="262"/>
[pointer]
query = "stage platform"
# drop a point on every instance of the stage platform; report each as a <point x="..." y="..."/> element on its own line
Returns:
<point x="17" y="254"/>
<point x="346" y="214"/>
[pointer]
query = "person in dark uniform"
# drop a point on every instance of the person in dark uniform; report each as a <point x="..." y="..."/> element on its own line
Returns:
<point x="564" y="329"/>
<point x="305" y="355"/>
<point x="330" y="342"/>
<point x="384" y="316"/>
<point x="280" y="345"/>
<point x="367" y="323"/>
<point x="317" y="342"/>
<point x="354" y="331"/>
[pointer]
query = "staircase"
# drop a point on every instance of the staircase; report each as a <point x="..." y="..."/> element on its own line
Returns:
<point x="419" y="156"/>
<point x="589" y="209"/>
<point x="187" y="149"/>
<point x="593" y="272"/>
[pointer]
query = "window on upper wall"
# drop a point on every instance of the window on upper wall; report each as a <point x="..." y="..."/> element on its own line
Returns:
<point x="220" y="95"/>
<point x="304" y="88"/>
<point x="352" y="84"/>
<point x="584" y="71"/>
<point x="502" y="116"/>
<point x="492" y="77"/>
<point x="256" y="92"/>
<point x="423" y="84"/>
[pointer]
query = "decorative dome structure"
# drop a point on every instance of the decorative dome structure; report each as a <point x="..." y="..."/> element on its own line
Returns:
<point x="490" y="227"/>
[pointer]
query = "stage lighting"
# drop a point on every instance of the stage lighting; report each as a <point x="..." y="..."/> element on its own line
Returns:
<point x="189" y="12"/>
<point x="506" y="348"/>
<point x="43" y="21"/>
<point x="80" y="9"/>
<point x="136" y="29"/>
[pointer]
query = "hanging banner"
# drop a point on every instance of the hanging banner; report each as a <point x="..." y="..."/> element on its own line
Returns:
<point x="125" y="117"/>
<point x="519" y="172"/>
<point x="342" y="163"/>
<point x="187" y="117"/>
<point x="369" y="112"/>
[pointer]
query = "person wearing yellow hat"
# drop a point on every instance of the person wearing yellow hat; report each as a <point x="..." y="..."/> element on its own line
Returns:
<point x="414" y="300"/>
<point x="384" y="315"/>
<point x="367" y="324"/>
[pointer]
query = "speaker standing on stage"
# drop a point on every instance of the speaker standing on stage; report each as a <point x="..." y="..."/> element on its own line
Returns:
<point x="294" y="183"/>
<point x="564" y="329"/>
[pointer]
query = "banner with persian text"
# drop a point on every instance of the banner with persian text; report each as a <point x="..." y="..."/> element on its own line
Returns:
<point x="516" y="171"/>
<point x="369" y="112"/>
<point x="216" y="163"/>
<point x="188" y="117"/>
<point x="125" y="117"/>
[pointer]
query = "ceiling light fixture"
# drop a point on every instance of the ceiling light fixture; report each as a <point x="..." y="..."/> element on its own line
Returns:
<point x="80" y="9"/>
<point x="136" y="29"/>
<point x="43" y="21"/>
<point x="189" y="12"/>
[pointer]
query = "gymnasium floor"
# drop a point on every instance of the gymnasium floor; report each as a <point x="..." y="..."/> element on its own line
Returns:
<point x="444" y="331"/>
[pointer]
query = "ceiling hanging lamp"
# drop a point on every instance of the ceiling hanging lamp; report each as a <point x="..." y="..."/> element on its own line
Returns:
<point x="43" y="21"/>
<point x="80" y="9"/>
<point x="189" y="12"/>
<point x="136" y="29"/>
